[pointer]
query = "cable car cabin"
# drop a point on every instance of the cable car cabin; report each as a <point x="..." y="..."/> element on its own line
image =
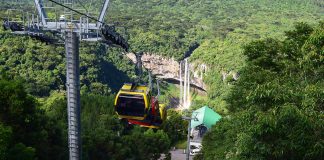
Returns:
<point x="135" y="104"/>
<point x="152" y="120"/>
<point x="132" y="102"/>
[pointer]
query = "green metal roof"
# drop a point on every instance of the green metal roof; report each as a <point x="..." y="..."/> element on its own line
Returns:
<point x="205" y="116"/>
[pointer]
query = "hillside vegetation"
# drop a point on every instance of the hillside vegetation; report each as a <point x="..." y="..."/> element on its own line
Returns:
<point x="170" y="27"/>
<point x="273" y="111"/>
<point x="221" y="28"/>
<point x="276" y="107"/>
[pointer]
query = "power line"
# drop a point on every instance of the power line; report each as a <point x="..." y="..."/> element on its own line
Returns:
<point x="60" y="4"/>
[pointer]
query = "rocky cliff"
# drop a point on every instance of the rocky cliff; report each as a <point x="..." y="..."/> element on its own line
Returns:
<point x="168" y="68"/>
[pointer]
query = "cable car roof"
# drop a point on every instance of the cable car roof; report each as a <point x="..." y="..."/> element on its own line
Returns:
<point x="128" y="87"/>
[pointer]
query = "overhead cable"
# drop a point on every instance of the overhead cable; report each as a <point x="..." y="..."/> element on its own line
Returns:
<point x="60" y="4"/>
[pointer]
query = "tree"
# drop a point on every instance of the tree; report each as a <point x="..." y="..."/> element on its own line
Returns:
<point x="18" y="111"/>
<point x="276" y="104"/>
<point x="26" y="131"/>
<point x="148" y="145"/>
<point x="175" y="126"/>
<point x="5" y="139"/>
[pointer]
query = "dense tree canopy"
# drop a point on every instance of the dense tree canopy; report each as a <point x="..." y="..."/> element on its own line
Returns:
<point x="276" y="105"/>
<point x="26" y="132"/>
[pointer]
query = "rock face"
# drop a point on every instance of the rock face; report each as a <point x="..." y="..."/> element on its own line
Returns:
<point x="158" y="65"/>
<point x="168" y="68"/>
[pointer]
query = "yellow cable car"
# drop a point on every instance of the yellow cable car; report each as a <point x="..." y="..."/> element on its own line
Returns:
<point x="132" y="102"/>
<point x="135" y="103"/>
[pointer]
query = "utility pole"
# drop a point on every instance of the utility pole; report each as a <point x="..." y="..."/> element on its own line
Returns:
<point x="188" y="140"/>
<point x="188" y="136"/>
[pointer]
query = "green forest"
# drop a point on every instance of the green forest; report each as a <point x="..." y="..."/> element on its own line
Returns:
<point x="274" y="110"/>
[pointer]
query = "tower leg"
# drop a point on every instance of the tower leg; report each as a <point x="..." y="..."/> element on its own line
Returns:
<point x="73" y="94"/>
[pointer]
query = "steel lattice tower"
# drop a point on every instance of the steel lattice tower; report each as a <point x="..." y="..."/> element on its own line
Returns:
<point x="73" y="94"/>
<point x="72" y="29"/>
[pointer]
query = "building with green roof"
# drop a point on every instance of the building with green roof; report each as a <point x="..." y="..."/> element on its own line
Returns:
<point x="204" y="116"/>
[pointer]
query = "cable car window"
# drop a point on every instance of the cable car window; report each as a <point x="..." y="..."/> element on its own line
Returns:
<point x="130" y="105"/>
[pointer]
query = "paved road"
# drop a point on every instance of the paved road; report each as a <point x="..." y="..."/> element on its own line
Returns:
<point x="179" y="155"/>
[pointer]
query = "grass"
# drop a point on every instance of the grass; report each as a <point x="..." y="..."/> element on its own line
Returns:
<point x="182" y="144"/>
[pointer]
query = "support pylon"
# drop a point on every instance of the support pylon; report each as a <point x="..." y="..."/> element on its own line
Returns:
<point x="73" y="94"/>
